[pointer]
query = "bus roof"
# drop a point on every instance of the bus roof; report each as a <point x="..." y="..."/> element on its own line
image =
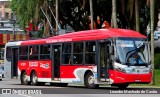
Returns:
<point x="14" y="43"/>
<point x="87" y="35"/>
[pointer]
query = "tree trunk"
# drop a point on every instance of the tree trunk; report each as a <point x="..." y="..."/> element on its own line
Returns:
<point x="46" y="31"/>
<point x="114" y="14"/>
<point x="91" y="12"/>
<point x="137" y="14"/>
<point x="152" y="38"/>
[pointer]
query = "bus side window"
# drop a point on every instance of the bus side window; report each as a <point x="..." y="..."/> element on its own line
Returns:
<point x="33" y="52"/>
<point x="45" y="52"/>
<point x="8" y="54"/>
<point x="90" y="53"/>
<point x="23" y="54"/>
<point x="66" y="54"/>
<point x="78" y="53"/>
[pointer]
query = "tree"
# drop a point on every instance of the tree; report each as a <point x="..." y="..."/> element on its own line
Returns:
<point x="137" y="15"/>
<point x="152" y="17"/>
<point x="114" y="14"/>
<point x="75" y="13"/>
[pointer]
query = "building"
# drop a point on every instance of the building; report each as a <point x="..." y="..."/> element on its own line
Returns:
<point x="5" y="12"/>
<point x="9" y="31"/>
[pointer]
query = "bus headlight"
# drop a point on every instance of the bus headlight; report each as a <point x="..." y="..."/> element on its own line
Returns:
<point x="120" y="69"/>
<point x="150" y="70"/>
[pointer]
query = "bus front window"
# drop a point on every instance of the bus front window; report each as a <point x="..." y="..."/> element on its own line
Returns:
<point x="132" y="51"/>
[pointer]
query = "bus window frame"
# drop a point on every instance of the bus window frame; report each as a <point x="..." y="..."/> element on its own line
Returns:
<point x="78" y="53"/>
<point x="9" y="59"/>
<point x="19" y="53"/>
<point x="71" y="51"/>
<point x="31" y="56"/>
<point x="84" y="52"/>
<point x="49" y="54"/>
<point x="95" y="41"/>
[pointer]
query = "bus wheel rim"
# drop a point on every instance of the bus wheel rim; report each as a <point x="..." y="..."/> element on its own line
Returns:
<point x="34" y="78"/>
<point x="25" y="78"/>
<point x="90" y="80"/>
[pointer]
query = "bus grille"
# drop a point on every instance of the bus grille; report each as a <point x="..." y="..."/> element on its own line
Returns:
<point x="45" y="73"/>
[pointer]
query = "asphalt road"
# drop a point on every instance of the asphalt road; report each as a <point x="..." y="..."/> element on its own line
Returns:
<point x="18" y="90"/>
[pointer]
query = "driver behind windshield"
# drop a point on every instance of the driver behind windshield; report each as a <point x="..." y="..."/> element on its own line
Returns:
<point x="135" y="59"/>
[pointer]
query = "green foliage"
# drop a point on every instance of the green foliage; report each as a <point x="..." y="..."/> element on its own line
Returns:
<point x="157" y="77"/>
<point x="24" y="9"/>
<point x="157" y="60"/>
<point x="75" y="12"/>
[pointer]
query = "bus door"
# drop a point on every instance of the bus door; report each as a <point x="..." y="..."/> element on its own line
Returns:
<point x="14" y="62"/>
<point x="103" y="62"/>
<point x="56" y="62"/>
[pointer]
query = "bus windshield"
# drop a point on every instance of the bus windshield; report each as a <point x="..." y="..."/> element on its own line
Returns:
<point x="132" y="51"/>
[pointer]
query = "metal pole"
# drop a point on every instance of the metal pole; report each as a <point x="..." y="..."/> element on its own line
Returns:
<point x="52" y="30"/>
<point x="13" y="30"/>
<point x="54" y="18"/>
<point x="91" y="11"/>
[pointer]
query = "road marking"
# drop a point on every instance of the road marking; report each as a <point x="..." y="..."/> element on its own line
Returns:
<point x="24" y="95"/>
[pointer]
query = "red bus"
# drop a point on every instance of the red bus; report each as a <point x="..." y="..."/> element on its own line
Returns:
<point x="118" y="57"/>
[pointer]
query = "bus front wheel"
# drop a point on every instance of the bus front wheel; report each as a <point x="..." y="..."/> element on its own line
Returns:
<point x="24" y="80"/>
<point x="89" y="81"/>
<point x="124" y="86"/>
<point x="121" y="86"/>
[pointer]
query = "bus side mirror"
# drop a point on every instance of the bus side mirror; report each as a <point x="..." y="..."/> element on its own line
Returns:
<point x="111" y="50"/>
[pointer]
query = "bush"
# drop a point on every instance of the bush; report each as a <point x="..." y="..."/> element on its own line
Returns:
<point x="157" y="60"/>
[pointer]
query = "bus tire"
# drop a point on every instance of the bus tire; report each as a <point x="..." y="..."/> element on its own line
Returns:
<point x="34" y="78"/>
<point x="24" y="80"/>
<point x="123" y="86"/>
<point x="89" y="82"/>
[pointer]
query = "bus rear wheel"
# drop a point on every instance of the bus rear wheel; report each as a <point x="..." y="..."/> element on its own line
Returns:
<point x="24" y="80"/>
<point x="34" y="79"/>
<point x="89" y="81"/>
